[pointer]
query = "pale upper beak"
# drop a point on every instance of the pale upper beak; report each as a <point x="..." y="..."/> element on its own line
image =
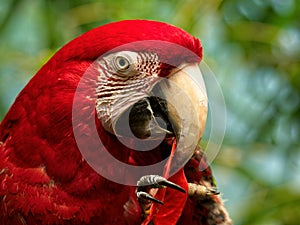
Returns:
<point x="186" y="95"/>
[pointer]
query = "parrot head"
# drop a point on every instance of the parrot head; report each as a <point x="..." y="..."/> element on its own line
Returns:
<point x="148" y="87"/>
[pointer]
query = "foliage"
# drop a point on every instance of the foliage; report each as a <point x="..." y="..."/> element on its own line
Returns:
<point x="253" y="46"/>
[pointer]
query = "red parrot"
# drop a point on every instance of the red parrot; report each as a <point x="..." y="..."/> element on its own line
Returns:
<point x="74" y="146"/>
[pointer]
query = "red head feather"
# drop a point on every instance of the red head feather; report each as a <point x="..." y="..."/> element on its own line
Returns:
<point x="98" y="41"/>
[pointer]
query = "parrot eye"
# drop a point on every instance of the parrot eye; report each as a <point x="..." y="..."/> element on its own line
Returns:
<point x="122" y="63"/>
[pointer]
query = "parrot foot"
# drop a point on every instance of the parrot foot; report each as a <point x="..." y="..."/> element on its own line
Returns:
<point x="200" y="191"/>
<point x="145" y="186"/>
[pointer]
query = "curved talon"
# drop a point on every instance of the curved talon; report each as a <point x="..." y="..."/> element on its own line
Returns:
<point x="214" y="191"/>
<point x="153" y="181"/>
<point x="146" y="196"/>
<point x="156" y="181"/>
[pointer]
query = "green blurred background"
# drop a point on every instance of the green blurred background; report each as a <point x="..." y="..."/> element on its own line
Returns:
<point x="253" y="47"/>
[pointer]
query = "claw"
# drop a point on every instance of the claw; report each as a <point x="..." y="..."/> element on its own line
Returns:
<point x="146" y="196"/>
<point x="201" y="191"/>
<point x="153" y="181"/>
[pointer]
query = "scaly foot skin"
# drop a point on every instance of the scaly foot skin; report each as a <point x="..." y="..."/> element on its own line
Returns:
<point x="146" y="190"/>
<point x="201" y="192"/>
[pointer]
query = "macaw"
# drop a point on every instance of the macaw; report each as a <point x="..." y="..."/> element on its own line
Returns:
<point x="107" y="132"/>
